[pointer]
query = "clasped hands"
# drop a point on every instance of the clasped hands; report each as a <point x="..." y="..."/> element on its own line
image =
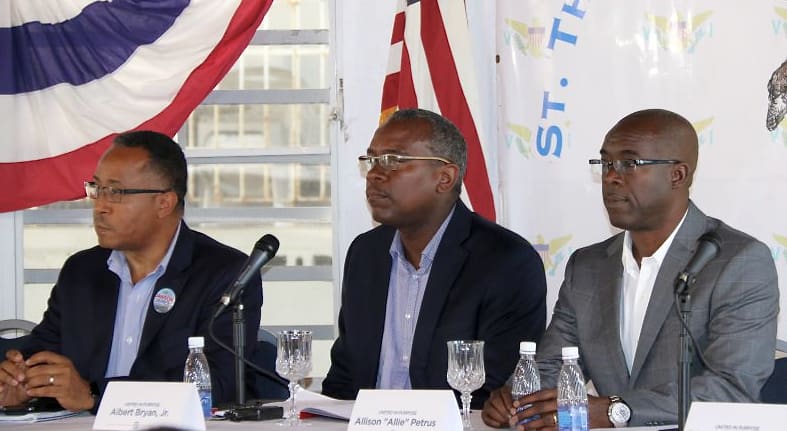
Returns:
<point x="44" y="374"/>
<point x="500" y="411"/>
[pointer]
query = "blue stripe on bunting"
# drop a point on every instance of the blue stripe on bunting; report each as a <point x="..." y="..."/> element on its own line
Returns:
<point x="87" y="47"/>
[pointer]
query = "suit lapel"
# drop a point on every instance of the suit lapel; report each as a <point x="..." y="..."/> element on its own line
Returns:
<point x="448" y="262"/>
<point x="608" y="302"/>
<point x="105" y="299"/>
<point x="662" y="298"/>
<point x="175" y="279"/>
<point x="375" y="297"/>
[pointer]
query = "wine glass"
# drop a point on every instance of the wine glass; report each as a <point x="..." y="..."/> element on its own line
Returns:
<point x="466" y="371"/>
<point x="293" y="362"/>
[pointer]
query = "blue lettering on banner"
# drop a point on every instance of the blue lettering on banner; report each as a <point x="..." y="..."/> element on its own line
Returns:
<point x="548" y="105"/>
<point x="556" y="34"/>
<point x="779" y="25"/>
<point x="549" y="135"/>
<point x="552" y="143"/>
<point x="554" y="136"/>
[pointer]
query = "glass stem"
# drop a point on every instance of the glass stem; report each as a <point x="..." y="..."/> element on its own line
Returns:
<point x="466" y="409"/>
<point x="293" y="415"/>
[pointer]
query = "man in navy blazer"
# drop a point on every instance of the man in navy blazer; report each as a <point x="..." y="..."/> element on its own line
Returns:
<point x="125" y="308"/>
<point x="432" y="272"/>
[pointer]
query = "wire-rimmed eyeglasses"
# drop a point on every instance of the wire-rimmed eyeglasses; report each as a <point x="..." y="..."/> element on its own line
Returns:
<point x="390" y="162"/>
<point x="115" y="194"/>
<point x="626" y="166"/>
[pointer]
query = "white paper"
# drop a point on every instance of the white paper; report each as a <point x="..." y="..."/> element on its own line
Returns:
<point x="320" y="405"/>
<point x="39" y="417"/>
<point x="128" y="406"/>
<point x="405" y="410"/>
<point x="705" y="416"/>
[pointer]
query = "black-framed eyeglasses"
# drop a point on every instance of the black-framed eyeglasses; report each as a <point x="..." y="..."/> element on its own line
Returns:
<point x="115" y="194"/>
<point x="390" y="162"/>
<point x="626" y="166"/>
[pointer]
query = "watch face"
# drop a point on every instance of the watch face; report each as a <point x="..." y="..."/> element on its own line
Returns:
<point x="619" y="413"/>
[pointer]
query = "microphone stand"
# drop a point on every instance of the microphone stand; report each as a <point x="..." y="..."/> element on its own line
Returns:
<point x="684" y="377"/>
<point x="239" y="343"/>
<point x="241" y="411"/>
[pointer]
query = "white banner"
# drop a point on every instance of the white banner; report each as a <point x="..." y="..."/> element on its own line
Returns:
<point x="569" y="70"/>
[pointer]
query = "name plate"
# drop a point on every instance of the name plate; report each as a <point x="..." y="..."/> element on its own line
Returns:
<point x="141" y="405"/>
<point x="705" y="416"/>
<point x="405" y="410"/>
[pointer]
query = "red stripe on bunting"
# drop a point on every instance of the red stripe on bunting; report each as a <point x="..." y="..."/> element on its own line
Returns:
<point x="44" y="181"/>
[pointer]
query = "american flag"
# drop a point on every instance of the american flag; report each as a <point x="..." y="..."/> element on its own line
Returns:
<point x="74" y="74"/>
<point x="431" y="67"/>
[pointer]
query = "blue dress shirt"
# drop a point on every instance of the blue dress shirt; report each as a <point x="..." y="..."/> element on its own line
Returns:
<point x="133" y="303"/>
<point x="405" y="292"/>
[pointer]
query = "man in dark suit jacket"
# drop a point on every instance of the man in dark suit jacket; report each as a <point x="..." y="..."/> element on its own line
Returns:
<point x="648" y="160"/>
<point x="433" y="272"/>
<point x="125" y="308"/>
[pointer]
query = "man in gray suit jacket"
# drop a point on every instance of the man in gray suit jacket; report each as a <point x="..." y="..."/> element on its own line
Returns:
<point x="617" y="299"/>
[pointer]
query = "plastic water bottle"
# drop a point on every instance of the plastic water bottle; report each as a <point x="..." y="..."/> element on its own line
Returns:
<point x="526" y="379"/>
<point x="572" y="397"/>
<point x="197" y="371"/>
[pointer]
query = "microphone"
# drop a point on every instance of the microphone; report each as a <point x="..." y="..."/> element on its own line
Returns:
<point x="708" y="248"/>
<point x="264" y="250"/>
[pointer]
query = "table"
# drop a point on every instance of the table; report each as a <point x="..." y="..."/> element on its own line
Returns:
<point x="85" y="423"/>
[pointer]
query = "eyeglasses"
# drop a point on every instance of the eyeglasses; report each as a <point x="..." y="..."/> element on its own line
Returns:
<point x="625" y="166"/>
<point x="390" y="162"/>
<point x="113" y="194"/>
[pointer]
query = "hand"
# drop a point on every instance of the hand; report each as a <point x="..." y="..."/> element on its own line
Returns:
<point x="544" y="404"/>
<point x="597" y="412"/>
<point x="12" y="379"/>
<point x="53" y="375"/>
<point x="497" y="409"/>
<point x="540" y="412"/>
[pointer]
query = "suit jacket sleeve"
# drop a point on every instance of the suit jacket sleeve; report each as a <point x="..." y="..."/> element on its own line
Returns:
<point x="562" y="331"/>
<point x="338" y="383"/>
<point x="515" y="311"/>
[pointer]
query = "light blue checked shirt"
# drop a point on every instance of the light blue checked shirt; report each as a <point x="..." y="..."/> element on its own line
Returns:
<point x="133" y="304"/>
<point x="405" y="293"/>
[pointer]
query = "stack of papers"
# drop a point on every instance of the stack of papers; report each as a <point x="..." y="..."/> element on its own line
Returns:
<point x="38" y="417"/>
<point x="312" y="403"/>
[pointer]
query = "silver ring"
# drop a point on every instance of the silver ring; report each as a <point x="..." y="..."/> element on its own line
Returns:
<point x="51" y="380"/>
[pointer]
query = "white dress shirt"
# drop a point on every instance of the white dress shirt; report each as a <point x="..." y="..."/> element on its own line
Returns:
<point x="638" y="281"/>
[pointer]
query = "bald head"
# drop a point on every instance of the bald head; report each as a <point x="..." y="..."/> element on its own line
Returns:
<point x="670" y="135"/>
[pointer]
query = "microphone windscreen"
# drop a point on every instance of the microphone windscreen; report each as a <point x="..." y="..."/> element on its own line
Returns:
<point x="711" y="237"/>
<point x="268" y="243"/>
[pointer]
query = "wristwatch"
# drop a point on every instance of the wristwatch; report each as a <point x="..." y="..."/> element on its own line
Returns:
<point x="619" y="412"/>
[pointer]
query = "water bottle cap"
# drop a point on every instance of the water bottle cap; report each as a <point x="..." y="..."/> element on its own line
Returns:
<point x="570" y="352"/>
<point x="527" y="348"/>
<point x="195" y="342"/>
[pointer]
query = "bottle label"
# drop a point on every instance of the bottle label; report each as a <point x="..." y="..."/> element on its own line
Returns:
<point x="520" y="409"/>
<point x="207" y="402"/>
<point x="574" y="418"/>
